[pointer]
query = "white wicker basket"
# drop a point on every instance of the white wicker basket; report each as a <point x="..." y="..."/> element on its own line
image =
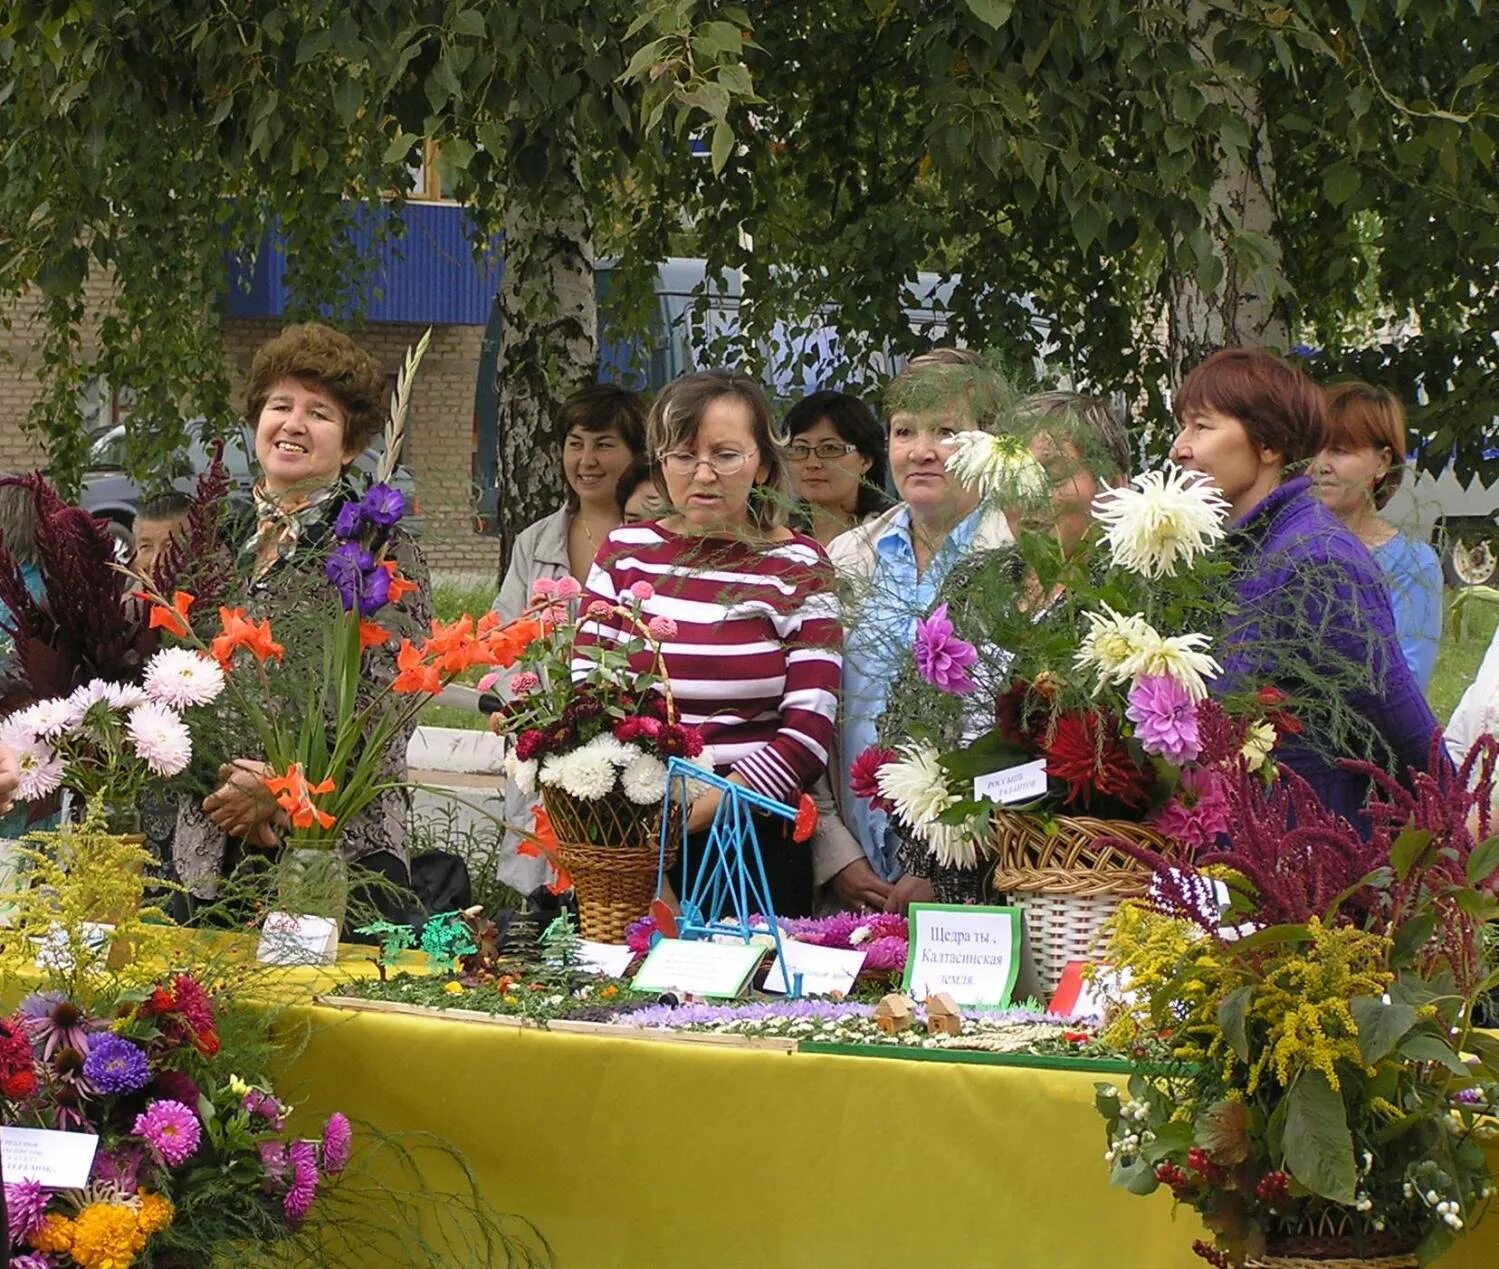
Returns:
<point x="1058" y="928"/>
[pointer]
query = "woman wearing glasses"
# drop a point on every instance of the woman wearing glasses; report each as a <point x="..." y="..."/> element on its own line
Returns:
<point x="754" y="647"/>
<point x="837" y="453"/>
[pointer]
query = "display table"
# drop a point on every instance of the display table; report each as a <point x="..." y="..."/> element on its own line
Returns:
<point x="634" y="1152"/>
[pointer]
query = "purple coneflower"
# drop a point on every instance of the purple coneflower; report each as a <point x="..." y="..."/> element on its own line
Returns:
<point x="55" y="1022"/>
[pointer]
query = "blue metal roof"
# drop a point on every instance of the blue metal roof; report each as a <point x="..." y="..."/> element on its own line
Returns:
<point x="429" y="276"/>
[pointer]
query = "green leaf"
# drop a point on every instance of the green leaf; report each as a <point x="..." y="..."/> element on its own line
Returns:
<point x="1272" y="935"/>
<point x="1483" y="861"/>
<point x="1436" y="1244"/>
<point x="1138" y="1176"/>
<point x="348" y="96"/>
<point x="313" y="43"/>
<point x="993" y="13"/>
<point x="1411" y="937"/>
<point x="1380" y="1025"/>
<point x="1408" y="850"/>
<point x="1426" y="1047"/>
<point x="1340" y="182"/>
<point x="470" y="22"/>
<point x="1231" y="1015"/>
<point x="723" y="145"/>
<point x="1318" y="1145"/>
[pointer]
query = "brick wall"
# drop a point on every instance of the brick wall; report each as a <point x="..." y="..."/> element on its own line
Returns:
<point x="439" y="443"/>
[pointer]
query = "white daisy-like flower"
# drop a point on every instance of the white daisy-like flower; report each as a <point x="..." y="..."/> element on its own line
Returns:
<point x="118" y="696"/>
<point x="48" y="719"/>
<point x="644" y="780"/>
<point x="584" y="774"/>
<point x="1161" y="519"/>
<point x="521" y="774"/>
<point x="16" y="732"/>
<point x="160" y="737"/>
<point x="860" y="935"/>
<point x="954" y="845"/>
<point x="1120" y="648"/>
<point x="1000" y="467"/>
<point x="917" y="787"/>
<point x="1258" y="742"/>
<point x="41" y="771"/>
<point x="1182" y="658"/>
<point x="180" y="677"/>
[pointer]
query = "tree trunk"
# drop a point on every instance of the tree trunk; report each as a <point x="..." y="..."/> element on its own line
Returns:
<point x="1237" y="295"/>
<point x="548" y="337"/>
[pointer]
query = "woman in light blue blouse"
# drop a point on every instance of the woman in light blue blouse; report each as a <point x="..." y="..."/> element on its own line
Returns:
<point x="1358" y="469"/>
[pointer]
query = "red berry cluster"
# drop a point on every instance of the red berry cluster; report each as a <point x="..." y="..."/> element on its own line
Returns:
<point x="1273" y="1188"/>
<point x="1183" y="1187"/>
<point x="1201" y="1162"/>
<point x="1214" y="1257"/>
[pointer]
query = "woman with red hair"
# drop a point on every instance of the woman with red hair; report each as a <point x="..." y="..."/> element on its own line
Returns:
<point x="1307" y="612"/>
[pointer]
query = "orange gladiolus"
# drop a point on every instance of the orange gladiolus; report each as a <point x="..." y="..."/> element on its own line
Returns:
<point x="414" y="673"/>
<point x="506" y="645"/>
<point x="542" y="844"/>
<point x="240" y="632"/>
<point x="170" y="617"/>
<point x="372" y="634"/>
<point x="399" y="586"/>
<point x="294" y="796"/>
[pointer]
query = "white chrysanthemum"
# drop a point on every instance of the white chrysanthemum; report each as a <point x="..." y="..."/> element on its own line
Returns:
<point x="41" y="771"/>
<point x="644" y="780"/>
<point x="1161" y="519"/>
<point x="611" y="750"/>
<point x="16" y="732"/>
<point x="584" y="774"/>
<point x="1001" y="467"/>
<point x="180" y="677"/>
<point x="49" y="719"/>
<point x="917" y="787"/>
<point x="160" y="737"/>
<point x="521" y="774"/>
<point x="118" y="696"/>
<point x="1258" y="743"/>
<point x="1121" y="648"/>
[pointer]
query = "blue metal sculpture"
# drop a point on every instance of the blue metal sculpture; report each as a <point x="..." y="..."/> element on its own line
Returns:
<point x="729" y="885"/>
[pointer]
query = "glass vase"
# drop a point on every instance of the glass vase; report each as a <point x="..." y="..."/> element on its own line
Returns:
<point x="313" y="880"/>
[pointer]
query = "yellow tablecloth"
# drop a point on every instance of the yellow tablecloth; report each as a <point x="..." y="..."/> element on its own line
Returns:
<point x="628" y="1152"/>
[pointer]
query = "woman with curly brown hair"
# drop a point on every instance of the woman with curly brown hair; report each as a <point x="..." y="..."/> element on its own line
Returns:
<point x="315" y="401"/>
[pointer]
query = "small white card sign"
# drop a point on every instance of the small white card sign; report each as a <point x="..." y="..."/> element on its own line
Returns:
<point x="605" y="958"/>
<point x="698" y="967"/>
<point x="824" y="970"/>
<point x="297" y="940"/>
<point x="54" y="950"/>
<point x="1024" y="783"/>
<point x="972" y="953"/>
<point x="61" y="1160"/>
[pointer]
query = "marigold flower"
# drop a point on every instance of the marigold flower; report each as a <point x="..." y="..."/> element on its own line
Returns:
<point x="155" y="1213"/>
<point x="55" y="1235"/>
<point x="106" y="1236"/>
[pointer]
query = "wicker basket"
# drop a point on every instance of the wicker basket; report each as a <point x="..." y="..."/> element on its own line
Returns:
<point x="1067" y="882"/>
<point x="1332" y="1262"/>
<point x="1329" y="1245"/>
<point x="614" y="883"/>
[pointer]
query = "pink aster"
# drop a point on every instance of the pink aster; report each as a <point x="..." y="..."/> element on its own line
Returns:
<point x="267" y="1107"/>
<point x="25" y="1208"/>
<point x="662" y="628"/>
<point x="1198" y="814"/>
<point x="942" y="659"/>
<point x="302" y="1157"/>
<point x="338" y="1138"/>
<point x="642" y="590"/>
<point x="1165" y="718"/>
<point x="33" y="1260"/>
<point x="170" y="1129"/>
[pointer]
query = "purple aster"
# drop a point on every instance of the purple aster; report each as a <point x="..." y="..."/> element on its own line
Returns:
<point x="267" y="1107"/>
<point x="116" y="1066"/>
<point x="942" y="659"/>
<point x="120" y="1167"/>
<point x="383" y="505"/>
<point x="25" y="1208"/>
<point x="54" y="1022"/>
<point x="1165" y="718"/>
<point x="302" y="1156"/>
<point x="338" y="1138"/>
<point x="170" y="1129"/>
<point x="348" y="521"/>
<point x="273" y="1160"/>
<point x="346" y="567"/>
<point x="32" y="1260"/>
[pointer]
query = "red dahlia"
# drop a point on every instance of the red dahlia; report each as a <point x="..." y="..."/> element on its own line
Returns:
<point x="1085" y="752"/>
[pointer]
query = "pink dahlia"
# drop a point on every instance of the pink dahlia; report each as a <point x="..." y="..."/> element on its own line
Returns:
<point x="943" y="659"/>
<point x="1165" y="718"/>
<point x="338" y="1139"/>
<point x="567" y="588"/>
<point x="1198" y="814"/>
<point x="525" y="681"/>
<point x="302" y="1157"/>
<point x="543" y="588"/>
<point x="170" y="1129"/>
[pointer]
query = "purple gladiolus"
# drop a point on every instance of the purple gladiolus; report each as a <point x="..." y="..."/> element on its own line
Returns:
<point x="942" y="659"/>
<point x="383" y="505"/>
<point x="348" y="521"/>
<point x="1165" y="718"/>
<point x="374" y="592"/>
<point x="347" y="566"/>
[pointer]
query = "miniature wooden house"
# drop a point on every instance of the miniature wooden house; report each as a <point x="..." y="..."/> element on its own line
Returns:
<point x="894" y="1013"/>
<point x="942" y="1015"/>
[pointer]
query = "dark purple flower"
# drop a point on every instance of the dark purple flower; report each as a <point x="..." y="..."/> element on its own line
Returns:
<point x="177" y="1087"/>
<point x="375" y="593"/>
<point x="383" y="505"/>
<point x="120" y="1168"/>
<point x="348" y="521"/>
<point x="337" y="1139"/>
<point x="942" y="659"/>
<point x="25" y="1208"/>
<point x="347" y="565"/>
<point x="116" y="1066"/>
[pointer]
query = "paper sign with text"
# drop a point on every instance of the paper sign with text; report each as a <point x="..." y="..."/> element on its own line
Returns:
<point x="972" y="953"/>
<point x="698" y="967"/>
<point x="297" y="940"/>
<point x="605" y="958"/>
<point x="1024" y="783"/>
<point x="824" y="970"/>
<point x="61" y="1160"/>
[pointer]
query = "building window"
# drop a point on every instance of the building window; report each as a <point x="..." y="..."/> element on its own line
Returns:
<point x="429" y="183"/>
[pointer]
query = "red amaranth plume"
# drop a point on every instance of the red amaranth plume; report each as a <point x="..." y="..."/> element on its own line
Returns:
<point x="198" y="560"/>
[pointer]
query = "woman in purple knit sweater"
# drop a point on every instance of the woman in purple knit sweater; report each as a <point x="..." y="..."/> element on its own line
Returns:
<point x="1307" y="610"/>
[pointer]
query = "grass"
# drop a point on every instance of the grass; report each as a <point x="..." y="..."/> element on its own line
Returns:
<point x="1465" y="639"/>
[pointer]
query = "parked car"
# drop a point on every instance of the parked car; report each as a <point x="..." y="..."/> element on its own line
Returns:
<point x="113" y="495"/>
<point x="1459" y="518"/>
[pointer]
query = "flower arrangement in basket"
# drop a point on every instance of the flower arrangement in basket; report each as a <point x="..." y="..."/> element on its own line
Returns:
<point x="1085" y="668"/>
<point x="1311" y="1081"/>
<point x="593" y="736"/>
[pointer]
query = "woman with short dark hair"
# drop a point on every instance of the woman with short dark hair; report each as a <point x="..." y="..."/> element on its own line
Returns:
<point x="836" y="449"/>
<point x="1307" y="612"/>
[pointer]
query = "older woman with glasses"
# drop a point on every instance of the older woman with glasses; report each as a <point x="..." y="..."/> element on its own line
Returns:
<point x="837" y="450"/>
<point x="754" y="652"/>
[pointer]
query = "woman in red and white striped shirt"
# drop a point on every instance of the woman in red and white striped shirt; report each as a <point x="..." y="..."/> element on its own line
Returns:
<point x="754" y="645"/>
